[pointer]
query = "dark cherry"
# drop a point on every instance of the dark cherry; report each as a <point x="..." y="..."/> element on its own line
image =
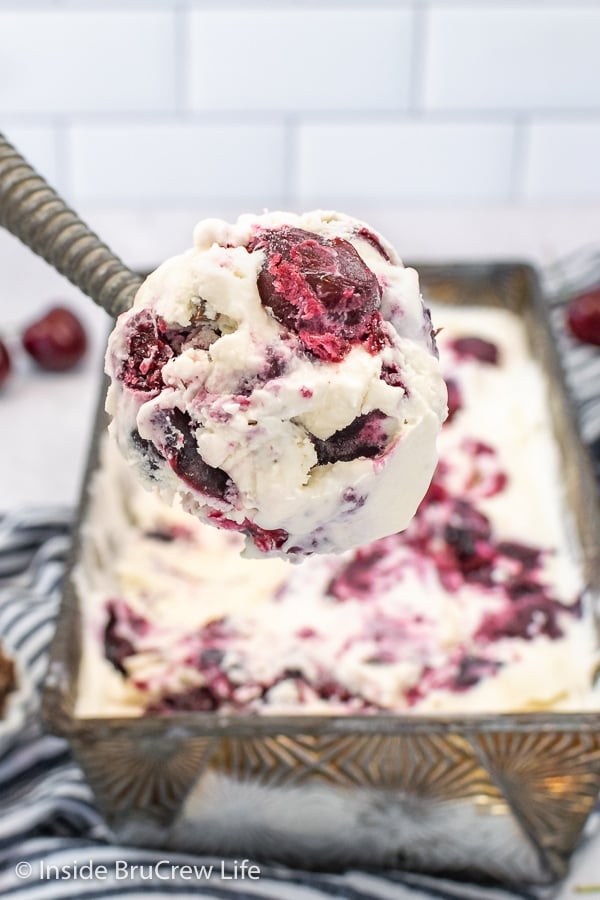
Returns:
<point x="583" y="317"/>
<point x="432" y="332"/>
<point x="523" y="587"/>
<point x="147" y="353"/>
<point x="472" y="669"/>
<point x="462" y="540"/>
<point x="364" y="437"/>
<point x="5" y="363"/>
<point x="529" y="557"/>
<point x="117" y="647"/>
<point x="531" y="615"/>
<point x="392" y="375"/>
<point x="181" y="451"/>
<point x="196" y="699"/>
<point x="476" y="348"/>
<point x="436" y="492"/>
<point x="356" y="578"/>
<point x="329" y="689"/>
<point x="465" y="516"/>
<point x="454" y="399"/>
<point x="321" y="290"/>
<point x="416" y="693"/>
<point x="148" y="451"/>
<point x="57" y="341"/>
<point x="163" y="537"/>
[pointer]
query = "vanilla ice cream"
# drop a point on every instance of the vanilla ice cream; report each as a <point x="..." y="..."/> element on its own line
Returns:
<point x="281" y="379"/>
<point x="478" y="606"/>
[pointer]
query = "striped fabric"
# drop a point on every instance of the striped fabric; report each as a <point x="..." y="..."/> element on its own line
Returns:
<point x="49" y="824"/>
<point x="581" y="361"/>
<point x="47" y="813"/>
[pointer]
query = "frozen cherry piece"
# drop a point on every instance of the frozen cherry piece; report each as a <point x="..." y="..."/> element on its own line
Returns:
<point x="329" y="689"/>
<point x="321" y="290"/>
<point x="472" y="669"/>
<point x="57" y="341"/>
<point x="181" y="450"/>
<point x="364" y="437"/>
<point x="147" y="353"/>
<point x="148" y="451"/>
<point x="358" y="578"/>
<point x="455" y="402"/>
<point x="5" y="363"/>
<point x="529" y="616"/>
<point x="583" y="317"/>
<point x="529" y="557"/>
<point x="122" y="623"/>
<point x="392" y="375"/>
<point x="476" y="348"/>
<point x="199" y="698"/>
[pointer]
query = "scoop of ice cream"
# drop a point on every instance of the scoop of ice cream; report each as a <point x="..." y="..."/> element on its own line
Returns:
<point x="282" y="379"/>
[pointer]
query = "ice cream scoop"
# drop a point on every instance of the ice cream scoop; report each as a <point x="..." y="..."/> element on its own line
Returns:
<point x="32" y="211"/>
<point x="281" y="377"/>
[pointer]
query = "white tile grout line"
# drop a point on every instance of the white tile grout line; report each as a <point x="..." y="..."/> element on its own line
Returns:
<point x="265" y="5"/>
<point x="149" y="5"/>
<point x="360" y="117"/>
<point x="25" y="6"/>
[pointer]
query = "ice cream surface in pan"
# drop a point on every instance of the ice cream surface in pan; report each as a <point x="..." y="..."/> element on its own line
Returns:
<point x="281" y="380"/>
<point x="478" y="606"/>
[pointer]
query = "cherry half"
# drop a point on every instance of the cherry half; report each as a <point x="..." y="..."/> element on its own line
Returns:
<point x="365" y="437"/>
<point x="5" y="364"/>
<point x="57" y="341"/>
<point x="583" y="317"/>
<point x="476" y="348"/>
<point x="321" y="290"/>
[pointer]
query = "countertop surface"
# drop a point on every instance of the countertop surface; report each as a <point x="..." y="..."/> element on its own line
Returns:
<point x="45" y="418"/>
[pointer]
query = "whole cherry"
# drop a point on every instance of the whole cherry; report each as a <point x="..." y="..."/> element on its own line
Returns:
<point x="5" y="363"/>
<point x="583" y="316"/>
<point x="57" y="341"/>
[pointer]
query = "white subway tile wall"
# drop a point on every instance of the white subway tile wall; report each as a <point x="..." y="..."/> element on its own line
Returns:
<point x="299" y="60"/>
<point x="70" y="62"/>
<point x="562" y="160"/>
<point x="253" y="103"/>
<point x="410" y="160"/>
<point x="514" y="59"/>
<point x="180" y="161"/>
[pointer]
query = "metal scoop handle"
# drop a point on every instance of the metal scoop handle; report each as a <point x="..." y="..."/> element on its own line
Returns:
<point x="32" y="211"/>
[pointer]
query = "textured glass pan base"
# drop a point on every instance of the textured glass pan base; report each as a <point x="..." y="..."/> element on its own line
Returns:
<point x="504" y="797"/>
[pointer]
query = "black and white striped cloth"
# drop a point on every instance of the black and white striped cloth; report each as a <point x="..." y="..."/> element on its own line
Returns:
<point x="48" y="819"/>
<point x="581" y="362"/>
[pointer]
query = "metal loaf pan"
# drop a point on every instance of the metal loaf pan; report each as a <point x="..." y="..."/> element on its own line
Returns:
<point x="499" y="796"/>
